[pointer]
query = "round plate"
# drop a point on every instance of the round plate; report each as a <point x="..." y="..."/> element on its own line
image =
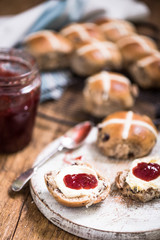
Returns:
<point x="115" y="218"/>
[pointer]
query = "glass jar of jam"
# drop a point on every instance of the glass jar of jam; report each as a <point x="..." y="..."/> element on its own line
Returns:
<point x="19" y="98"/>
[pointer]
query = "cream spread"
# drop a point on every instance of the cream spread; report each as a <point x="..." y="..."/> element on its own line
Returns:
<point x="76" y="169"/>
<point x="138" y="183"/>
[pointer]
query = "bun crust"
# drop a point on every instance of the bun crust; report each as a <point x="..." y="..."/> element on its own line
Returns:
<point x="94" y="57"/>
<point x="142" y="196"/>
<point x="135" y="47"/>
<point x="80" y="34"/>
<point x="50" y="49"/>
<point x="115" y="29"/>
<point x="76" y="201"/>
<point x="146" y="71"/>
<point x="126" y="135"/>
<point x="107" y="92"/>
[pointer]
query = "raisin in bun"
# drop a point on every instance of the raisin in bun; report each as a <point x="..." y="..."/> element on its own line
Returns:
<point x="135" y="47"/>
<point x="82" y="33"/>
<point x="126" y="135"/>
<point x="64" y="190"/>
<point x="107" y="92"/>
<point x="146" y="71"/>
<point x="114" y="29"/>
<point x="136" y="187"/>
<point x="94" y="57"/>
<point x="51" y="50"/>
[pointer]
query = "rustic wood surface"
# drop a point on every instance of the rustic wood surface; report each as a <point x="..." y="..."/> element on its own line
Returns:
<point x="19" y="216"/>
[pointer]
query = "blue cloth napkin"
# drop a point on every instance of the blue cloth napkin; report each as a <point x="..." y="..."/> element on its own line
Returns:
<point x="50" y="17"/>
<point x="54" y="84"/>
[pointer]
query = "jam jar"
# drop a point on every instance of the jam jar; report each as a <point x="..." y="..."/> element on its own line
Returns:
<point x="19" y="98"/>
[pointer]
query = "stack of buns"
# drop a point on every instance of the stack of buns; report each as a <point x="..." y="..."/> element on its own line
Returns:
<point x="107" y="44"/>
<point x="89" y="48"/>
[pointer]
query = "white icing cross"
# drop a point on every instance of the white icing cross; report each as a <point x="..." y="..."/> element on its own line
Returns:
<point x="106" y="82"/>
<point x="148" y="60"/>
<point x="106" y="78"/>
<point x="55" y="43"/>
<point x="89" y="25"/>
<point x="103" y="47"/>
<point x="128" y="122"/>
<point x="133" y="39"/>
<point x="111" y="25"/>
<point x="127" y="125"/>
<point x="78" y="29"/>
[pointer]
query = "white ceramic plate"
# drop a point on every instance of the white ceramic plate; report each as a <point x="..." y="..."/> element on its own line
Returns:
<point x="114" y="218"/>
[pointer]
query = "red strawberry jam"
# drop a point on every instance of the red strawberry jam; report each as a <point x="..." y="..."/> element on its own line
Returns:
<point x="81" y="133"/>
<point x="19" y="97"/>
<point x="81" y="180"/>
<point x="147" y="171"/>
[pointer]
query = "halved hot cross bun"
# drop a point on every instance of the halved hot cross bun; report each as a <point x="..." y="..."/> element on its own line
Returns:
<point x="126" y="135"/>
<point x="94" y="57"/>
<point x="141" y="181"/>
<point x="146" y="71"/>
<point x="135" y="47"/>
<point x="77" y="185"/>
<point x="107" y="92"/>
<point x="50" y="49"/>
<point x="82" y="33"/>
<point x="115" y="29"/>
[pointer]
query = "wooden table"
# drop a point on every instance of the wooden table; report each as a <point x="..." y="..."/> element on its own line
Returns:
<point x="19" y="216"/>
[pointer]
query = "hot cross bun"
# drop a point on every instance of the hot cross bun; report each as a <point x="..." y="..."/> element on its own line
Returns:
<point x="50" y="49"/>
<point x="115" y="29"/>
<point x="77" y="185"/>
<point x="141" y="181"/>
<point x="107" y="92"/>
<point x="94" y="57"/>
<point x="146" y="71"/>
<point x="126" y="135"/>
<point x="135" y="47"/>
<point x="82" y="33"/>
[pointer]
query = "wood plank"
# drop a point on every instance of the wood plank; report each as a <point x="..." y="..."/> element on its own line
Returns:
<point x="38" y="227"/>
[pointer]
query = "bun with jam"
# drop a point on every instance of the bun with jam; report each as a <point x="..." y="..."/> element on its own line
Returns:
<point x="51" y="50"/>
<point x="115" y="29"/>
<point x="107" y="92"/>
<point x="126" y="135"/>
<point x="94" y="57"/>
<point x="77" y="185"/>
<point x="142" y="181"/>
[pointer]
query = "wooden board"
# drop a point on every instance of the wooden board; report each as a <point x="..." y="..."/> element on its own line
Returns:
<point x="115" y="218"/>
